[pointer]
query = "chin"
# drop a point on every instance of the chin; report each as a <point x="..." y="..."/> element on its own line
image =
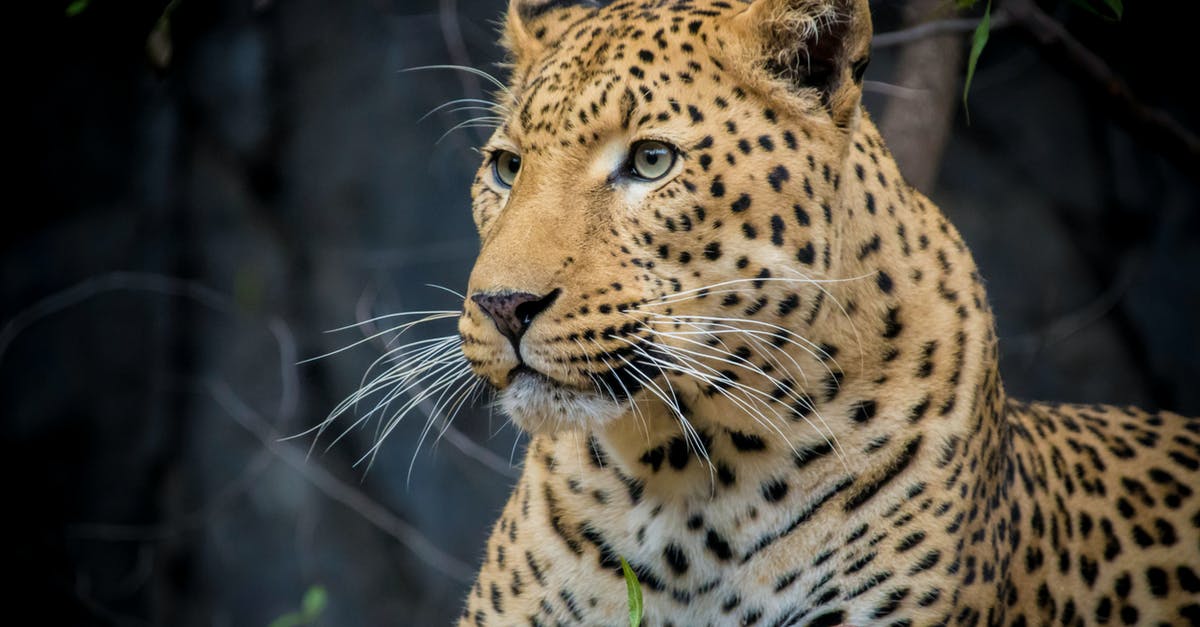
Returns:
<point x="538" y="404"/>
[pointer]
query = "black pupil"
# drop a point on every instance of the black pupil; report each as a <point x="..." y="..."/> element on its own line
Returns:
<point x="652" y="155"/>
<point x="512" y="163"/>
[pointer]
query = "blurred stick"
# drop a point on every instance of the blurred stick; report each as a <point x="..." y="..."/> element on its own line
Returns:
<point x="340" y="491"/>
<point x="917" y="128"/>
<point x="111" y="282"/>
<point x="953" y="26"/>
<point x="1154" y="125"/>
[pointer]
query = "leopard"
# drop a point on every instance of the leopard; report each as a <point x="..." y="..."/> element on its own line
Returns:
<point x="760" y="369"/>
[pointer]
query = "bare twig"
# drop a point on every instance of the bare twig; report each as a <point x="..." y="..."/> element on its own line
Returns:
<point x="917" y="128"/>
<point x="953" y="26"/>
<point x="340" y="491"/>
<point x="111" y="282"/>
<point x="170" y="286"/>
<point x="1156" y="126"/>
<point x="892" y="90"/>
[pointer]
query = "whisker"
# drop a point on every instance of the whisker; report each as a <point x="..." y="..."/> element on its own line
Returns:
<point x="378" y="334"/>
<point x="491" y="106"/>
<point x="462" y="68"/>
<point x="444" y="313"/>
<point x="446" y="289"/>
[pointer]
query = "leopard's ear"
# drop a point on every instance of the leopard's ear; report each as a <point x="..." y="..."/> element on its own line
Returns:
<point x="532" y="25"/>
<point x="812" y="44"/>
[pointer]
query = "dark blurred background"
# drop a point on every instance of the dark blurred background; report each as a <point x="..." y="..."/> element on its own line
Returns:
<point x="203" y="188"/>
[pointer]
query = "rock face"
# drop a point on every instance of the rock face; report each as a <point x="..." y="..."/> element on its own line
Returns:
<point x="275" y="181"/>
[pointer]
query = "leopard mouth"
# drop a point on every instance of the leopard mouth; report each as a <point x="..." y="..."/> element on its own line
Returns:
<point x="539" y="403"/>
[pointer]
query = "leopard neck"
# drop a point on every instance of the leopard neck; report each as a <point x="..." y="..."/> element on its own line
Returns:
<point x="897" y="337"/>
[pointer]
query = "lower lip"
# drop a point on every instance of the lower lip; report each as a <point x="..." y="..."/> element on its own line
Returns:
<point x="524" y="370"/>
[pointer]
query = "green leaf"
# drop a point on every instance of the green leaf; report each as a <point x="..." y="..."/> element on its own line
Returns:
<point x="315" y="600"/>
<point x="1111" y="10"/>
<point x="311" y="606"/>
<point x="77" y="7"/>
<point x="634" y="589"/>
<point x="979" y="40"/>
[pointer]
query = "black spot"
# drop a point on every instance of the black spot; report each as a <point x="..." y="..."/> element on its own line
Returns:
<point x="717" y="545"/>
<point x="677" y="453"/>
<point x="789" y="139"/>
<point x="806" y="254"/>
<point x="788" y="305"/>
<point x="777" y="228"/>
<point x="809" y="454"/>
<point x="725" y="475"/>
<point x="893" y="469"/>
<point x="884" y="281"/>
<point x="801" y="215"/>
<point x="746" y="442"/>
<point x="892" y="326"/>
<point x="910" y="541"/>
<point x="1157" y="578"/>
<point x="774" y="490"/>
<point x="1187" y="579"/>
<point x="676" y="559"/>
<point x="863" y="411"/>
<point x="777" y="177"/>
<point x="741" y="204"/>
<point x="653" y="458"/>
<point x="717" y="189"/>
<point x="828" y="619"/>
<point x="712" y="251"/>
<point x="695" y="114"/>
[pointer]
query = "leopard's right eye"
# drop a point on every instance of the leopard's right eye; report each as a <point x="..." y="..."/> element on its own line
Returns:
<point x="505" y="166"/>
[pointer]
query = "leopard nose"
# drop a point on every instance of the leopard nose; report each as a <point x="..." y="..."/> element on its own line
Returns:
<point x="513" y="312"/>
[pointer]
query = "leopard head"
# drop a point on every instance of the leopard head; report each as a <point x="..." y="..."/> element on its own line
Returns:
<point x="654" y="208"/>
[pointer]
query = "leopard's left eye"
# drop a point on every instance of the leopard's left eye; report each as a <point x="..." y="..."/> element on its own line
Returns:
<point x="651" y="160"/>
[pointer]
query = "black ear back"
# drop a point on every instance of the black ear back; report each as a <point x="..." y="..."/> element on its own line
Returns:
<point x="821" y="45"/>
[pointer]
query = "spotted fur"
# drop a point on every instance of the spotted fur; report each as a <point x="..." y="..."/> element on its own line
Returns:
<point x="769" y="379"/>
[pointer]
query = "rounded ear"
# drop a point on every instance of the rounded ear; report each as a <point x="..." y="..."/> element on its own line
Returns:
<point x="813" y="44"/>
<point x="531" y="25"/>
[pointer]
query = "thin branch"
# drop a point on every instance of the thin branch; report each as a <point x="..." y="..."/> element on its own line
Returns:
<point x="893" y="91"/>
<point x="1158" y="126"/>
<point x="111" y="282"/>
<point x="1000" y="19"/>
<point x="340" y="491"/>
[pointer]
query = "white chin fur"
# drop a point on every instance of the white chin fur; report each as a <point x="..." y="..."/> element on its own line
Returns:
<point x="539" y="406"/>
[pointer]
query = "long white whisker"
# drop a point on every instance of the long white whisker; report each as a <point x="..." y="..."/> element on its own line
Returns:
<point x="488" y="104"/>
<point x="378" y="334"/>
<point x="446" y="289"/>
<point x="462" y="68"/>
<point x="444" y="313"/>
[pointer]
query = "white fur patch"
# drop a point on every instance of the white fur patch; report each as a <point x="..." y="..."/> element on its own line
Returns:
<point x="538" y="405"/>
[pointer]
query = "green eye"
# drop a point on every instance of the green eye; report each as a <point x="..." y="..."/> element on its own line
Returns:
<point x="505" y="166"/>
<point x="652" y="160"/>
